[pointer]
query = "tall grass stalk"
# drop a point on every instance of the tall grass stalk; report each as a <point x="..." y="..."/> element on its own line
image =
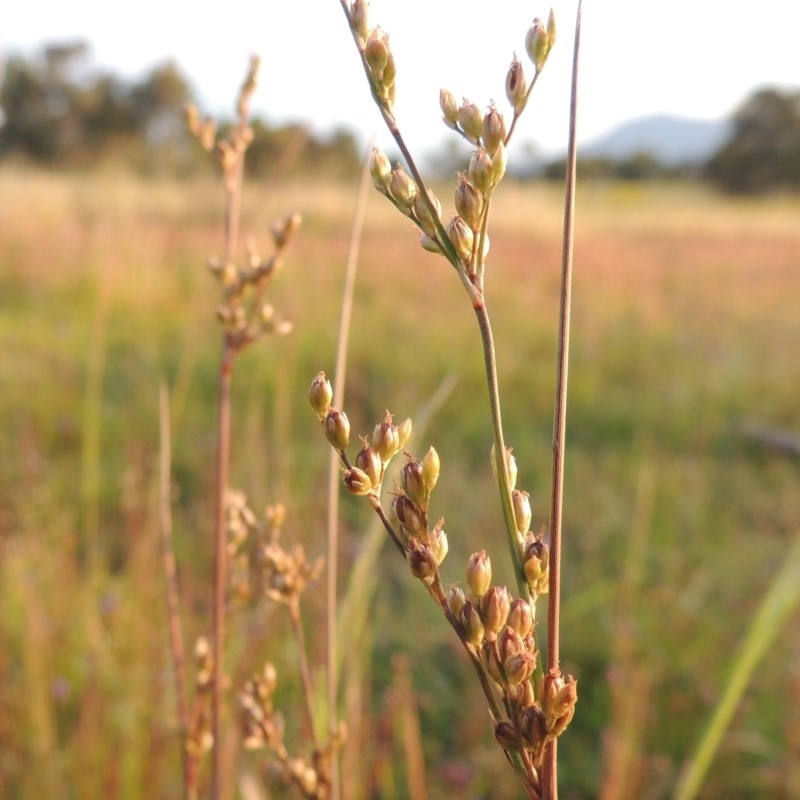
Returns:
<point x="560" y="422"/>
<point x="780" y="602"/>
<point x="351" y="269"/>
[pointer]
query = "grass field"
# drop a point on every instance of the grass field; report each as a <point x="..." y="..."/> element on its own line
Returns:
<point x="686" y="334"/>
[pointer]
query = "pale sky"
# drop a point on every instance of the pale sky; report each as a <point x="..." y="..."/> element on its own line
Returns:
<point x="693" y="58"/>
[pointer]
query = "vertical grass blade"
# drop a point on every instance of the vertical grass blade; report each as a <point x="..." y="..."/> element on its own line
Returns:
<point x="782" y="598"/>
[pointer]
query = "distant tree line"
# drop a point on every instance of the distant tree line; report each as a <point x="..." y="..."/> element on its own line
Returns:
<point x="59" y="110"/>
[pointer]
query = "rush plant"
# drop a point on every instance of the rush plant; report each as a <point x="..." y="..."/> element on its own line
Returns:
<point x="530" y="702"/>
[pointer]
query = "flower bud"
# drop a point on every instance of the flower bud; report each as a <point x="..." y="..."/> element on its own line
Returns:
<point x="462" y="237"/>
<point x="439" y="545"/>
<point x="449" y="106"/>
<point x="516" y="86"/>
<point x="473" y="626"/>
<point x="479" y="573"/>
<point x="520" y="617"/>
<point x="337" y="429"/>
<point x="357" y="482"/>
<point x="470" y="120"/>
<point x="385" y="439"/>
<point x="421" y="561"/>
<point x="480" y="171"/>
<point x="456" y="600"/>
<point x="380" y="170"/>
<point x="320" y="395"/>
<point x="404" y="432"/>
<point x="522" y="510"/>
<point x="495" y="605"/>
<point x="412" y="482"/>
<point x="430" y="470"/>
<point x="493" y="131"/>
<point x="537" y="43"/>
<point x="469" y="203"/>
<point x="370" y="462"/>
<point x="402" y="188"/>
<point x="359" y="12"/>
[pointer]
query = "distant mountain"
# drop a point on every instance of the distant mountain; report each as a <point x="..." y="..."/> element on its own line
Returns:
<point x="672" y="140"/>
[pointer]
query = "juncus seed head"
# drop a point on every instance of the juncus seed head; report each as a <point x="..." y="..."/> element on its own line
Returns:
<point x="479" y="573"/>
<point x="493" y="130"/>
<point x="480" y="172"/>
<point x="495" y="605"/>
<point x="537" y="43"/>
<point x="522" y="510"/>
<point x="370" y="462"/>
<point x="357" y="482"/>
<point x="320" y="394"/>
<point x="461" y="236"/>
<point x="380" y="170"/>
<point x="470" y="120"/>
<point x="359" y="13"/>
<point x="402" y="188"/>
<point x="449" y="106"/>
<point x="337" y="428"/>
<point x="469" y="203"/>
<point x="516" y="86"/>
<point x="385" y="438"/>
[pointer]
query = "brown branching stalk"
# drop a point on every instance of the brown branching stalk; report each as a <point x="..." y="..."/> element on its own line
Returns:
<point x="529" y="709"/>
<point x="244" y="317"/>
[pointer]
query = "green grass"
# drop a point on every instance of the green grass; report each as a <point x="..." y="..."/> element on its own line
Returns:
<point x="685" y="329"/>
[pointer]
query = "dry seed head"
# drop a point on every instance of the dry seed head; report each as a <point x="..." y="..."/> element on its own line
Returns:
<point x="337" y="429"/>
<point x="519" y="667"/>
<point x="495" y="605"/>
<point x="359" y="18"/>
<point x="439" y="545"/>
<point x="493" y="131"/>
<point x="376" y="53"/>
<point x="533" y="727"/>
<point x="357" y="482"/>
<point x="380" y="170"/>
<point x="469" y="202"/>
<point x="461" y="236"/>
<point x="522" y="510"/>
<point x="479" y="573"/>
<point x="506" y="736"/>
<point x="422" y="561"/>
<point x="283" y="230"/>
<point x="423" y="215"/>
<point x="520" y="617"/>
<point x="537" y="43"/>
<point x="409" y="516"/>
<point x="516" y="86"/>
<point x="404" y="432"/>
<point x="402" y="188"/>
<point x="385" y="438"/>
<point x="472" y="624"/>
<point x="480" y="171"/>
<point x="370" y="462"/>
<point x="320" y="394"/>
<point x="430" y="470"/>
<point x="456" y="600"/>
<point x="413" y="483"/>
<point x="449" y="106"/>
<point x="470" y="120"/>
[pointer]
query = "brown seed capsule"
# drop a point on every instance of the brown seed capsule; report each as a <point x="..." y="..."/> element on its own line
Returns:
<point x="506" y="737"/>
<point x="473" y="626"/>
<point x="421" y="561"/>
<point x="469" y="203"/>
<point x="370" y="462"/>
<point x="413" y="484"/>
<point x="357" y="482"/>
<point x="493" y="131"/>
<point x="462" y="237"/>
<point x="410" y="518"/>
<point x="516" y="86"/>
<point x="337" y="429"/>
<point x="385" y="438"/>
<point x="520" y="617"/>
<point x="402" y="188"/>
<point x="519" y="667"/>
<point x="480" y="172"/>
<point x="495" y="605"/>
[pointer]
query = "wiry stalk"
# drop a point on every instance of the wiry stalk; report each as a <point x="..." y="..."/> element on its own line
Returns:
<point x="559" y="425"/>
<point x="333" y="475"/>
<point x="173" y="603"/>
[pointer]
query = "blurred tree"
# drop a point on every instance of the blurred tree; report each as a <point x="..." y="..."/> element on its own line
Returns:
<point x="763" y="153"/>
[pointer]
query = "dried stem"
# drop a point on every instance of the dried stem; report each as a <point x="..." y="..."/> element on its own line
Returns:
<point x="173" y="602"/>
<point x="220" y="563"/>
<point x="305" y="671"/>
<point x="554" y="601"/>
<point x="333" y="475"/>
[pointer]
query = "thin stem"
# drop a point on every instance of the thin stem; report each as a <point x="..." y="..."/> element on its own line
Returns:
<point x="173" y="602"/>
<point x="560" y="421"/>
<point x="490" y="363"/>
<point x="220" y="562"/>
<point x="305" y="672"/>
<point x="333" y="473"/>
